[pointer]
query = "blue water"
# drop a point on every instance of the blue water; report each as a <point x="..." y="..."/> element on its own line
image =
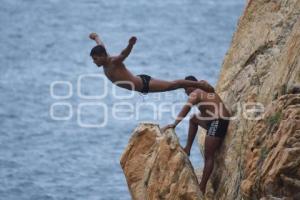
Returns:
<point x="46" y="41"/>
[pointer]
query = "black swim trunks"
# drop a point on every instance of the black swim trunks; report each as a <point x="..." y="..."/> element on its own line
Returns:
<point x="217" y="127"/>
<point x="146" y="80"/>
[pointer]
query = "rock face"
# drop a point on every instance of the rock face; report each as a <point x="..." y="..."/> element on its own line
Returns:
<point x="272" y="166"/>
<point x="156" y="167"/>
<point x="260" y="157"/>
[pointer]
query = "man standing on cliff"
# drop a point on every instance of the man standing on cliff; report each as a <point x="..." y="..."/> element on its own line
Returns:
<point x="213" y="116"/>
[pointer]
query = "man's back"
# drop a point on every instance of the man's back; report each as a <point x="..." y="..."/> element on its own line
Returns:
<point x="210" y="104"/>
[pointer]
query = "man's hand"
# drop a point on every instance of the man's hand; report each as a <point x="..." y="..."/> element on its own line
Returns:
<point x="132" y="40"/>
<point x="93" y="36"/>
<point x="167" y="127"/>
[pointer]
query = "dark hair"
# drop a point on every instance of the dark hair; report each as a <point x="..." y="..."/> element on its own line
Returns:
<point x="98" y="50"/>
<point x="191" y="78"/>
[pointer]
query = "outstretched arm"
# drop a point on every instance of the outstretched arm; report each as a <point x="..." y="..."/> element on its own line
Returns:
<point x="125" y="53"/>
<point x="183" y="113"/>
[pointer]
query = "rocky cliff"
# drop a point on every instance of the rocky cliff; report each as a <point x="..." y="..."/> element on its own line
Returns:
<point x="260" y="159"/>
<point x="259" y="83"/>
<point x="156" y="167"/>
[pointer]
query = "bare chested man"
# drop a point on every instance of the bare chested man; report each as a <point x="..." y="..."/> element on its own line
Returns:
<point x="116" y="71"/>
<point x="213" y="116"/>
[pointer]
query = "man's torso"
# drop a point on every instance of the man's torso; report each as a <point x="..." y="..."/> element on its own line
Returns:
<point x="117" y="72"/>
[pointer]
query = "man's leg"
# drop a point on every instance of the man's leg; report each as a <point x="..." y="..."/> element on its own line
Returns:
<point x="195" y="121"/>
<point x="210" y="147"/>
<point x="157" y="85"/>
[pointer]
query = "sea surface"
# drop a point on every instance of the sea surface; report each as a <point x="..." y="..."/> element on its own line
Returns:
<point x="63" y="125"/>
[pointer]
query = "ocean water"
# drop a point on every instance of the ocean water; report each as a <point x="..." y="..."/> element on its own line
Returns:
<point x="57" y="141"/>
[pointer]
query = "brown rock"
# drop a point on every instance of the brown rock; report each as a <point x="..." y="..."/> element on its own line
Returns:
<point x="259" y="159"/>
<point x="274" y="171"/>
<point x="156" y="167"/>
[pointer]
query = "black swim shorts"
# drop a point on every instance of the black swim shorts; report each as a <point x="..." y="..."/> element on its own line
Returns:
<point x="217" y="128"/>
<point x="146" y="80"/>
